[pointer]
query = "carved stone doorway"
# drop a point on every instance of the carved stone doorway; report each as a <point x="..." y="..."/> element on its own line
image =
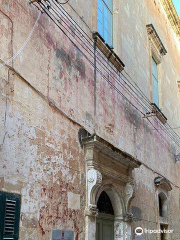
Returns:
<point x="108" y="175"/>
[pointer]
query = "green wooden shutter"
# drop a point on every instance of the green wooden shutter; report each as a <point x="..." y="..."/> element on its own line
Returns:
<point x="9" y="216"/>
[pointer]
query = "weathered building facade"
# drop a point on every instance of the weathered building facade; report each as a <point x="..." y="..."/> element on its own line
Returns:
<point x="89" y="116"/>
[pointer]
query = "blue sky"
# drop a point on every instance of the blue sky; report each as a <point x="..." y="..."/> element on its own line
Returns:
<point x="177" y="6"/>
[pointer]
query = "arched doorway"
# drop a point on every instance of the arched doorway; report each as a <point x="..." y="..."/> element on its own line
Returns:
<point x="105" y="218"/>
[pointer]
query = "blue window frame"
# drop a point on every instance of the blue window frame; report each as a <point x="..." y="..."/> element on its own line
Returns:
<point x="105" y="20"/>
<point x="155" y="82"/>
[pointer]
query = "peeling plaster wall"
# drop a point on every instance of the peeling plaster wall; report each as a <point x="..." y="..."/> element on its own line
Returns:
<point x="45" y="164"/>
<point x="41" y="157"/>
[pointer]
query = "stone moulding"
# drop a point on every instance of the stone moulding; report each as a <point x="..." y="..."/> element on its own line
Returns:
<point x="153" y="34"/>
<point x="129" y="194"/>
<point x="164" y="220"/>
<point x="108" y="52"/>
<point x="172" y="16"/>
<point x="94" y="180"/>
<point x="157" y="48"/>
<point x="161" y="181"/>
<point x="155" y="111"/>
<point x="95" y="142"/>
<point x="158" y="113"/>
<point x="128" y="217"/>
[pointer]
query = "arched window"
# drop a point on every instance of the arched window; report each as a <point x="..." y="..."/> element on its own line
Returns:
<point x="105" y="20"/>
<point x="162" y="204"/>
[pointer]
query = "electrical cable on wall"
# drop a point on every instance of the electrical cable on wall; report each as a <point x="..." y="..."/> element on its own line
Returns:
<point x="90" y="51"/>
<point x="48" y="10"/>
<point x="10" y="60"/>
<point x="83" y="34"/>
<point x="54" y="14"/>
<point x="83" y="42"/>
<point x="62" y="2"/>
<point x="127" y="77"/>
<point x="25" y="43"/>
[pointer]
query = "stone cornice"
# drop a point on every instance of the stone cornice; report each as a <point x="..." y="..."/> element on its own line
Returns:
<point x="108" y="52"/>
<point x="172" y="15"/>
<point x="101" y="145"/>
<point x="156" y="39"/>
<point x="161" y="181"/>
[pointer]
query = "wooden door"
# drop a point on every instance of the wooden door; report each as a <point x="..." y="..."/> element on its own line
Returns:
<point x="104" y="229"/>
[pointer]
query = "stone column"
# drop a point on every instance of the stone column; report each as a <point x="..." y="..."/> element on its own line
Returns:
<point x="91" y="224"/>
<point x="118" y="228"/>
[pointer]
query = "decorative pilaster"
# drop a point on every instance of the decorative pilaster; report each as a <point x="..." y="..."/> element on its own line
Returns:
<point x="129" y="194"/>
<point x="119" y="228"/>
<point x="94" y="180"/>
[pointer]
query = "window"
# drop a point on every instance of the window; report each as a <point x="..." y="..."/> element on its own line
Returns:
<point x="9" y="215"/>
<point x="162" y="205"/>
<point x="105" y="20"/>
<point x="155" y="82"/>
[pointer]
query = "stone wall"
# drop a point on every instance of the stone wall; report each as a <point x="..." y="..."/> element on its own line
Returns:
<point x="49" y="94"/>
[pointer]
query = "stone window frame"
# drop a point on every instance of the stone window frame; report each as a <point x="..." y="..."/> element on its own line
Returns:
<point x="116" y="10"/>
<point x="163" y="221"/>
<point x="156" y="51"/>
<point x="163" y="188"/>
<point x="155" y="78"/>
<point x="112" y="54"/>
<point x="164" y="197"/>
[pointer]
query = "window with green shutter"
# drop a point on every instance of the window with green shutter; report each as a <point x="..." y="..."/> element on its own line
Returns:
<point x="9" y="216"/>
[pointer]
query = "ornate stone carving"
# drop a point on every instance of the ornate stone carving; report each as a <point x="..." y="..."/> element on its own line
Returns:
<point x="94" y="176"/>
<point x="128" y="217"/>
<point x="115" y="183"/>
<point x="129" y="194"/>
<point x="94" y="180"/>
<point x="118" y="230"/>
<point x="91" y="210"/>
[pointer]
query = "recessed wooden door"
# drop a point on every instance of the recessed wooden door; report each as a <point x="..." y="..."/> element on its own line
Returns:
<point x="104" y="229"/>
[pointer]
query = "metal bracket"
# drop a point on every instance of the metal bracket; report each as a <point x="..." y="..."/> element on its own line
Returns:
<point x="156" y="112"/>
<point x="33" y="1"/>
<point x="177" y="158"/>
<point x="151" y="114"/>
